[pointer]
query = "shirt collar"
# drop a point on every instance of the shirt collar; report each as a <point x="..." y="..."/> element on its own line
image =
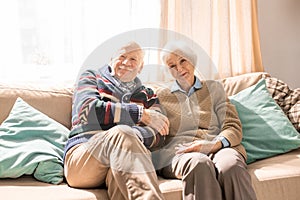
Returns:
<point x="197" y="85"/>
<point x="106" y="71"/>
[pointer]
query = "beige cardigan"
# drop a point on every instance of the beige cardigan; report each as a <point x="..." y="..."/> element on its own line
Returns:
<point x="205" y="114"/>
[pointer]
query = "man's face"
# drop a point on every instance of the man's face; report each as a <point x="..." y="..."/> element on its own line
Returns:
<point x="181" y="69"/>
<point x="127" y="65"/>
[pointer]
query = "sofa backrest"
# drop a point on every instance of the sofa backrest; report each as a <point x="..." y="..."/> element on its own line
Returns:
<point x="235" y="84"/>
<point x="54" y="101"/>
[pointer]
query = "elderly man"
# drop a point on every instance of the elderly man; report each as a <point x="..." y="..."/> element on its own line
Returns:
<point x="116" y="120"/>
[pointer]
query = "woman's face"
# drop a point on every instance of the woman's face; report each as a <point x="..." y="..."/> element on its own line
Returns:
<point x="181" y="69"/>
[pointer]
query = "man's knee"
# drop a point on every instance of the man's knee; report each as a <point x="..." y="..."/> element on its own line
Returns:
<point x="123" y="131"/>
<point x="124" y="137"/>
<point x="82" y="170"/>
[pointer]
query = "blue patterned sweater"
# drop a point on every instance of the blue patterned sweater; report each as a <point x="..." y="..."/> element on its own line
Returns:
<point x="100" y="102"/>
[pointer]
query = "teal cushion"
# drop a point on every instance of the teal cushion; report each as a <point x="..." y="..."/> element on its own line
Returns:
<point x="266" y="129"/>
<point x="31" y="143"/>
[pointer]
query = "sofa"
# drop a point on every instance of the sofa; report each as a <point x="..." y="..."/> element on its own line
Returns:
<point x="275" y="177"/>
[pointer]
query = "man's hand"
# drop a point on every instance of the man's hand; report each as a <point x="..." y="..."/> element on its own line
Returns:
<point x="156" y="120"/>
<point x="202" y="146"/>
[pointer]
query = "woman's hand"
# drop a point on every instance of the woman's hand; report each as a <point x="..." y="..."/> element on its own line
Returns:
<point x="202" y="146"/>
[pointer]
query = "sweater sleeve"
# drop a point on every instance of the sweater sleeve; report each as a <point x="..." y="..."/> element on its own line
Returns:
<point x="95" y="105"/>
<point x="151" y="138"/>
<point x="231" y="127"/>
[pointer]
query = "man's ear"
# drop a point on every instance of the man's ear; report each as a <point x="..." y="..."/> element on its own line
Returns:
<point x="111" y="62"/>
<point x="141" y="67"/>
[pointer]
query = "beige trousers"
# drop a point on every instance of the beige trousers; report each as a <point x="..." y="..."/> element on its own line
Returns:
<point x="116" y="158"/>
<point x="223" y="176"/>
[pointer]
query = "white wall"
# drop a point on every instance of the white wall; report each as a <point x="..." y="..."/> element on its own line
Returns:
<point x="279" y="27"/>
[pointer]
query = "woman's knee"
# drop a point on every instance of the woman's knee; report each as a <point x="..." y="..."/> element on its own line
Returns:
<point x="198" y="162"/>
<point x="230" y="164"/>
<point x="199" y="158"/>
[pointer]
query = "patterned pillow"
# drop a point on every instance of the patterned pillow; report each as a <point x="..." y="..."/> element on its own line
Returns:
<point x="288" y="99"/>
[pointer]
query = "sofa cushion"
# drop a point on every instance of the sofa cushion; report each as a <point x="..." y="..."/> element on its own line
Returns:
<point x="266" y="129"/>
<point x="27" y="187"/>
<point x="287" y="98"/>
<point x="277" y="178"/>
<point x="171" y="188"/>
<point x="31" y="143"/>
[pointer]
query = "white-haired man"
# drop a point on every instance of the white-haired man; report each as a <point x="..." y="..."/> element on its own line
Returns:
<point x="115" y="121"/>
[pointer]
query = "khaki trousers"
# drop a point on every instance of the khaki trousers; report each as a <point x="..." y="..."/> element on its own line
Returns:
<point x="224" y="176"/>
<point x="116" y="158"/>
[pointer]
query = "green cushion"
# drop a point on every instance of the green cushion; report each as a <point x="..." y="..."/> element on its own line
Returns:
<point x="31" y="143"/>
<point x="266" y="129"/>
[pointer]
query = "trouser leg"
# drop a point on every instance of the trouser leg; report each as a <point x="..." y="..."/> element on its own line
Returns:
<point x="113" y="189"/>
<point x="130" y="162"/>
<point x="233" y="176"/>
<point x="82" y="170"/>
<point x="198" y="175"/>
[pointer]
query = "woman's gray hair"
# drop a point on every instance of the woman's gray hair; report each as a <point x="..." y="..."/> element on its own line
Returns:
<point x="179" y="48"/>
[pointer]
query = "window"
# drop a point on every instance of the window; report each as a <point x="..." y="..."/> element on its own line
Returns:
<point x="49" y="40"/>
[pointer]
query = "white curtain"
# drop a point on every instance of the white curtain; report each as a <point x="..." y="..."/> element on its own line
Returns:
<point x="227" y="30"/>
<point x="49" y="40"/>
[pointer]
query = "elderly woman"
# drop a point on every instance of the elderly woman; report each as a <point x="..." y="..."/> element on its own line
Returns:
<point x="204" y="143"/>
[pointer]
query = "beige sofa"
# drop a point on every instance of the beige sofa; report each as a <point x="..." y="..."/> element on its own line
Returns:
<point x="275" y="178"/>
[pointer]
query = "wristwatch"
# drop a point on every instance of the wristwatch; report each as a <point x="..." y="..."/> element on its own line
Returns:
<point x="224" y="141"/>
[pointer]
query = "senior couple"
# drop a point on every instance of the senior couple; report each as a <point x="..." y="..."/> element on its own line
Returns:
<point x="123" y="134"/>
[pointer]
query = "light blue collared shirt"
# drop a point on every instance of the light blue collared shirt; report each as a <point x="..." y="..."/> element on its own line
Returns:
<point x="197" y="85"/>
